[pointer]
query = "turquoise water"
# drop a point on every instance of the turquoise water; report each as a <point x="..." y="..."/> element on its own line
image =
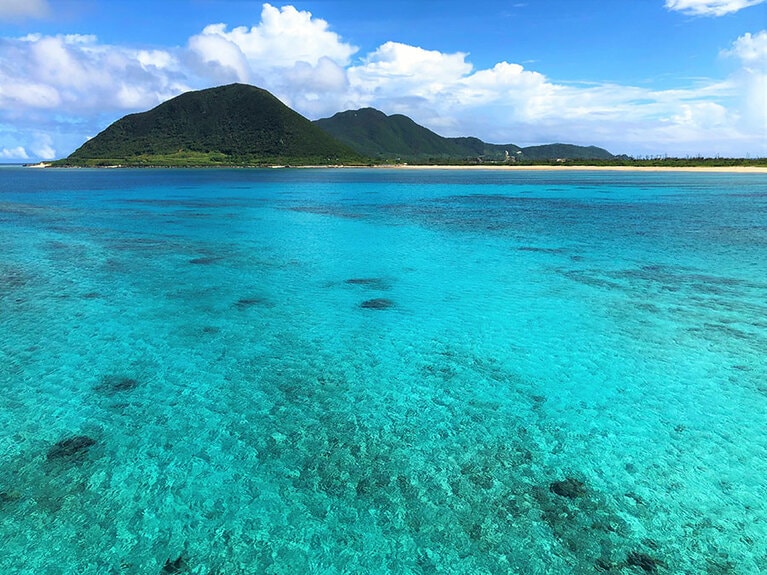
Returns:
<point x="381" y="371"/>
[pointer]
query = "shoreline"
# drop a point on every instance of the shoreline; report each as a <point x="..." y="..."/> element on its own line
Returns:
<point x="542" y="168"/>
<point x="434" y="167"/>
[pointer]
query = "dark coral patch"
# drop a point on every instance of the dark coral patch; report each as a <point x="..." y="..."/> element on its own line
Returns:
<point x="603" y="565"/>
<point x="204" y="260"/>
<point x="643" y="561"/>
<point x="541" y="250"/>
<point x="248" y="302"/>
<point x="113" y="384"/>
<point x="377" y="303"/>
<point x="326" y="211"/>
<point x="71" y="448"/>
<point x="570" y="488"/>
<point x="176" y="566"/>
<point x="9" y="496"/>
<point x="370" y="283"/>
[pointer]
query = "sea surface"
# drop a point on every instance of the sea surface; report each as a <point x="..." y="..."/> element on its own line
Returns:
<point x="353" y="371"/>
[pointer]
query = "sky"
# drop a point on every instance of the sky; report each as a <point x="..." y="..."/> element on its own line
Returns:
<point x="638" y="77"/>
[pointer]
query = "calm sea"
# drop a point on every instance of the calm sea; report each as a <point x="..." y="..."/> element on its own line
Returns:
<point x="380" y="371"/>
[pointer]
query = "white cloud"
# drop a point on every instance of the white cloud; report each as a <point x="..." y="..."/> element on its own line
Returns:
<point x="21" y="9"/>
<point x="221" y="58"/>
<point x="283" y="37"/>
<point x="289" y="52"/>
<point x="408" y="79"/>
<point x="396" y="61"/>
<point x="17" y="153"/>
<point x="751" y="81"/>
<point x="315" y="91"/>
<point x="710" y="7"/>
<point x="43" y="147"/>
<point x="751" y="49"/>
<point x="157" y="59"/>
<point x="76" y="73"/>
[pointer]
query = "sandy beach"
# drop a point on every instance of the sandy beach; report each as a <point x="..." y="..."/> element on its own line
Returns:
<point x="497" y="167"/>
<point x="703" y="169"/>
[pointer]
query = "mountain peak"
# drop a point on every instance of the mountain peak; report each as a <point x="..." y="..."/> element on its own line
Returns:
<point x="232" y="125"/>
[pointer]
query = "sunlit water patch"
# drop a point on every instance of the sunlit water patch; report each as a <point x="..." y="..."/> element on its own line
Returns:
<point x="361" y="371"/>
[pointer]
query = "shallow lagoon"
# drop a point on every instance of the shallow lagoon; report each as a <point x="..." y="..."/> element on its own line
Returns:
<point x="380" y="371"/>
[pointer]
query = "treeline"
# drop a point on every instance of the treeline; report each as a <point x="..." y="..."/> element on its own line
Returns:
<point x="660" y="162"/>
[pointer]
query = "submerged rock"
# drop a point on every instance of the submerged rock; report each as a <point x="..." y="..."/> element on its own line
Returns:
<point x="176" y="566"/>
<point x="371" y="283"/>
<point x="643" y="561"/>
<point x="570" y="488"/>
<point x="205" y="260"/>
<point x="247" y="302"/>
<point x="112" y="384"/>
<point x="9" y="496"/>
<point x="377" y="303"/>
<point x="604" y="564"/>
<point x="71" y="447"/>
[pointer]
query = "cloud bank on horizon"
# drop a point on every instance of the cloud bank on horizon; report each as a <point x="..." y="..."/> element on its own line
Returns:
<point x="56" y="90"/>
<point x="710" y="7"/>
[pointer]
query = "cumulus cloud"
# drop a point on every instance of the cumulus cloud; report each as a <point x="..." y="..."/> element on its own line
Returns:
<point x="42" y="147"/>
<point x="75" y="72"/>
<point x="22" y="9"/>
<point x="289" y="52"/>
<point x="17" y="153"/>
<point x="751" y="49"/>
<point x="218" y="56"/>
<point x="710" y="7"/>
<point x="286" y="43"/>
<point x="751" y="82"/>
<point x="283" y="37"/>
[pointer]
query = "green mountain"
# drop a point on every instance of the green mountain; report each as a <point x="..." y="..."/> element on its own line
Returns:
<point x="376" y="135"/>
<point x="372" y="133"/>
<point x="228" y="125"/>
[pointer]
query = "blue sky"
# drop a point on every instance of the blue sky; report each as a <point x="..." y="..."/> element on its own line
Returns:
<point x="641" y="77"/>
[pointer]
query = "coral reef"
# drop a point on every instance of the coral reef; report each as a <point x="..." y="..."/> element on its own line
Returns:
<point x="370" y="283"/>
<point x="248" y="302"/>
<point x="114" y="384"/>
<point x="570" y="488"/>
<point x="177" y="565"/>
<point x="71" y="448"/>
<point x="377" y="303"/>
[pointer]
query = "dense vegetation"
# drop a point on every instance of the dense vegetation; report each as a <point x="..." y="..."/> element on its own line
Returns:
<point x="398" y="138"/>
<point x="229" y="125"/>
<point x="241" y="125"/>
<point x="658" y="162"/>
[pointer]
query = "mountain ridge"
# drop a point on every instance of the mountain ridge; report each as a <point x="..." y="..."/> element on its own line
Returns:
<point x="397" y="137"/>
<point x="243" y="125"/>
